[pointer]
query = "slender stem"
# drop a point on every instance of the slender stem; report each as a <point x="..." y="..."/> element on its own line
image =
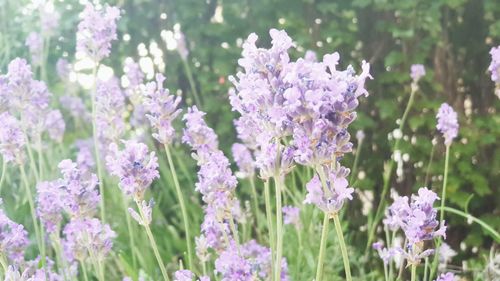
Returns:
<point x="40" y="155"/>
<point x="182" y="203"/>
<point x="426" y="268"/>
<point x="386" y="275"/>
<point x="84" y="269"/>
<point x="96" y="143"/>
<point x="191" y="82"/>
<point x="255" y="206"/>
<point x="299" y="254"/>
<point x="493" y="233"/>
<point x="413" y="272"/>
<point x="32" y="209"/>
<point x="153" y="243"/>
<point x="356" y="160"/>
<point x="269" y="217"/>
<point x="441" y="213"/>
<point x="131" y="232"/>
<point x="279" y="227"/>
<point x="343" y="248"/>
<point x="388" y="173"/>
<point x="322" y="248"/>
<point x="2" y="177"/>
<point x="428" y="170"/>
<point x="445" y="180"/>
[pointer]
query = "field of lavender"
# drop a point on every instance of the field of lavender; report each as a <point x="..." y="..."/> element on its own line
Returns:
<point x="240" y="141"/>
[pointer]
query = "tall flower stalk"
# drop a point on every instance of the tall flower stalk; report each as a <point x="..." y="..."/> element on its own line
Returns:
<point x="417" y="72"/>
<point x="162" y="110"/>
<point x="96" y="31"/>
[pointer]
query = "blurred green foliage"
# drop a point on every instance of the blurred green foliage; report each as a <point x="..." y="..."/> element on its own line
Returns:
<point x="452" y="38"/>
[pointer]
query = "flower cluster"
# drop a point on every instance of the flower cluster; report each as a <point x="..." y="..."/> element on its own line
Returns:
<point x="312" y="102"/>
<point x="87" y="236"/>
<point x="291" y="215"/>
<point x="162" y="109"/>
<point x="135" y="167"/>
<point x="418" y="221"/>
<point x="494" y="67"/>
<point x="447" y="123"/>
<point x="417" y="71"/>
<point x="249" y="261"/>
<point x="330" y="195"/>
<point x="386" y="254"/>
<point x="110" y="108"/>
<point x="96" y="30"/>
<point x="244" y="160"/>
<point x="34" y="42"/>
<point x="13" y="239"/>
<point x="12" y="139"/>
<point x="446" y="277"/>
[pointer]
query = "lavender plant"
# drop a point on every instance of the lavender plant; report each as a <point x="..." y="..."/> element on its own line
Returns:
<point x="262" y="221"/>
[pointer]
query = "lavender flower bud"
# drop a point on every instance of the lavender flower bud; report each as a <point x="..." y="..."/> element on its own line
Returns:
<point x="12" y="139"/>
<point x="34" y="42"/>
<point x="96" y="30"/>
<point x="446" y="277"/>
<point x="162" y="109"/>
<point x="13" y="239"/>
<point x="244" y="160"/>
<point x="417" y="71"/>
<point x="135" y="167"/>
<point x="447" y="123"/>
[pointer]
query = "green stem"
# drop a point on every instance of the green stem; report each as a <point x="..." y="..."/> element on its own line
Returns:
<point x="445" y="180"/>
<point x="191" y="83"/>
<point x="322" y="248"/>
<point x="494" y="234"/>
<point x="441" y="212"/>
<point x="388" y="173"/>
<point x="428" y="170"/>
<point x="356" y="160"/>
<point x="96" y="143"/>
<point x="279" y="227"/>
<point x="299" y="254"/>
<point x="153" y="243"/>
<point x="255" y="206"/>
<point x="426" y="267"/>
<point x="343" y="248"/>
<point x="182" y="203"/>
<point x="269" y="217"/>
<point x="131" y="232"/>
<point x="413" y="272"/>
<point x="84" y="269"/>
<point x="32" y="209"/>
<point x="2" y="177"/>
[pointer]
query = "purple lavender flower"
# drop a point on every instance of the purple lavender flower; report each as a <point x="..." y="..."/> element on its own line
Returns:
<point x="87" y="237"/>
<point x="417" y="71"/>
<point x="80" y="195"/>
<point x="447" y="123"/>
<point x="34" y="42"/>
<point x="197" y="134"/>
<point x="291" y="215"/>
<point x="96" y="30"/>
<point x="386" y="254"/>
<point x="134" y="74"/>
<point x="311" y="102"/>
<point x="85" y="155"/>
<point x="12" y="139"/>
<point x="55" y="126"/>
<point x="13" y="239"/>
<point x="183" y="275"/>
<point x="329" y="198"/>
<point x="201" y="247"/>
<point x="135" y="167"/>
<point x="49" y="20"/>
<point x="110" y="108"/>
<point x="182" y="48"/>
<point x="147" y="210"/>
<point x="50" y="206"/>
<point x="446" y="277"/>
<point x="63" y="68"/>
<point x="244" y="160"/>
<point x="232" y="266"/>
<point x="162" y="109"/>
<point x="494" y="67"/>
<point x="418" y="221"/>
<point x="75" y="107"/>
<point x="266" y="160"/>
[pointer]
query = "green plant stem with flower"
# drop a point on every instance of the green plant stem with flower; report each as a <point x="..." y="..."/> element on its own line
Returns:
<point x="96" y="142"/>
<point x="152" y="241"/>
<point x="388" y="172"/>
